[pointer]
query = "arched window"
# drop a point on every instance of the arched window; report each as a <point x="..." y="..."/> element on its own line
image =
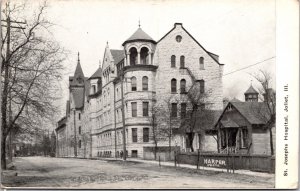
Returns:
<point x="181" y="61"/>
<point x="145" y="83"/>
<point x="133" y="83"/>
<point x="202" y="86"/>
<point x="144" y="56"/>
<point x="173" y="86"/>
<point x="201" y="62"/>
<point x="133" y="56"/>
<point x="182" y="86"/>
<point x="173" y="61"/>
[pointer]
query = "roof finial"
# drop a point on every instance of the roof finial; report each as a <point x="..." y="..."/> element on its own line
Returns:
<point x="78" y="59"/>
<point x="251" y="82"/>
<point x="139" y="23"/>
<point x="99" y="63"/>
<point x="106" y="44"/>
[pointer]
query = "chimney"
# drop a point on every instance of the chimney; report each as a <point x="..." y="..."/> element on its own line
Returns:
<point x="178" y="25"/>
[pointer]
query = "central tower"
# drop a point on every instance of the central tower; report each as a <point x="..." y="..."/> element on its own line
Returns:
<point x="139" y="94"/>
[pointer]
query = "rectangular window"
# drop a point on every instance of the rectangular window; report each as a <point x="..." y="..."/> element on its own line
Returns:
<point x="94" y="89"/>
<point x="134" y="153"/>
<point x="134" y="109"/>
<point x="202" y="88"/>
<point x="134" y="135"/>
<point x="79" y="116"/>
<point x="183" y="110"/>
<point x="79" y="144"/>
<point x="79" y="130"/>
<point x="145" y="109"/>
<point x="174" y="110"/>
<point x="145" y="134"/>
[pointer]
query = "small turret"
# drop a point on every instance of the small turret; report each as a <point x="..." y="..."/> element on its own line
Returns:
<point x="251" y="94"/>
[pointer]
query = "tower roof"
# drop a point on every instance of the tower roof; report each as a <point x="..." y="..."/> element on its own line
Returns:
<point x="139" y="35"/>
<point x="251" y="90"/>
<point x="78" y="70"/>
<point x="78" y="77"/>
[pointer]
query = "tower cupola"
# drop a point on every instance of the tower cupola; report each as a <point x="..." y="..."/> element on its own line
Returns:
<point x="251" y="95"/>
<point x="139" y="48"/>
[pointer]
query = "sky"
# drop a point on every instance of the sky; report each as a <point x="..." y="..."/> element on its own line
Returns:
<point x="241" y="32"/>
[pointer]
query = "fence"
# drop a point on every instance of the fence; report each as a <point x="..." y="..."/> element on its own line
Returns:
<point x="162" y="152"/>
<point x="261" y="163"/>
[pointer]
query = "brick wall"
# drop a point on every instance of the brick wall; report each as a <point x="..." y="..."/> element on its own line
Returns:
<point x="212" y="73"/>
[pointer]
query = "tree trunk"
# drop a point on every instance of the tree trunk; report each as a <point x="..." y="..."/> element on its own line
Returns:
<point x="3" y="152"/>
<point x="191" y="140"/>
<point x="170" y="148"/>
<point x="271" y="141"/>
<point x="155" y="149"/>
<point x="4" y="117"/>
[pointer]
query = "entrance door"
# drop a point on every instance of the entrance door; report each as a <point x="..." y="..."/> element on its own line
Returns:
<point x="232" y="137"/>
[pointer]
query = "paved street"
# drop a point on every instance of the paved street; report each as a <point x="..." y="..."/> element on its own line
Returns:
<point x="84" y="173"/>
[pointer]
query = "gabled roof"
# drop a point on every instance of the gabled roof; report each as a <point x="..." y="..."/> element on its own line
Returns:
<point x="139" y="35"/>
<point x="97" y="74"/>
<point x="204" y="120"/>
<point x="209" y="53"/>
<point x="118" y="55"/>
<point x="251" y="90"/>
<point x="254" y="112"/>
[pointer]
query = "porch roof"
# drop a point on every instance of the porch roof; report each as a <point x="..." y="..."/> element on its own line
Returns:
<point x="204" y="121"/>
<point x="229" y="123"/>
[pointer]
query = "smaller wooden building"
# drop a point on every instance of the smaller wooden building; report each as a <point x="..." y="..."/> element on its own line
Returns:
<point x="242" y="126"/>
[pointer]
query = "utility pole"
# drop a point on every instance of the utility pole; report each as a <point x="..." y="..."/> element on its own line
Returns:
<point x="115" y="121"/>
<point x="75" y="137"/>
<point x="123" y="117"/>
<point x="7" y="127"/>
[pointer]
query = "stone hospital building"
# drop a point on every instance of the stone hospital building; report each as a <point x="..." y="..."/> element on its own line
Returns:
<point x="143" y="74"/>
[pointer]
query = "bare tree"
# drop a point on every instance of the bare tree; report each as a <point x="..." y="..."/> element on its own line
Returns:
<point x="161" y="126"/>
<point x="197" y="114"/>
<point x="168" y="118"/>
<point x="155" y="132"/>
<point x="268" y="96"/>
<point x="31" y="70"/>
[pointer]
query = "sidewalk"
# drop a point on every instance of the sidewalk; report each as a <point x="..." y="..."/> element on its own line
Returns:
<point x="168" y="163"/>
